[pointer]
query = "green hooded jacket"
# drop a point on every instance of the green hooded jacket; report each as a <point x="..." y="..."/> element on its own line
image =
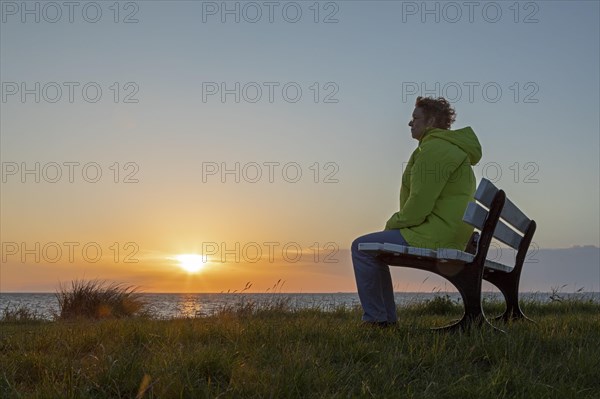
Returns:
<point x="437" y="185"/>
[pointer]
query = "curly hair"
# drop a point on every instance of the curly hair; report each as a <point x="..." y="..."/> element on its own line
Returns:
<point x="439" y="109"/>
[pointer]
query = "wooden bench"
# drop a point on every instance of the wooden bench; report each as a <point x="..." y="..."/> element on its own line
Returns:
<point x="495" y="216"/>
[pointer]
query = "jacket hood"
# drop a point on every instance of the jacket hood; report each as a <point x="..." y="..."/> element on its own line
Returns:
<point x="464" y="138"/>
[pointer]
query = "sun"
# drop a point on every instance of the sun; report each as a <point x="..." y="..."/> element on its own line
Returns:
<point x="191" y="263"/>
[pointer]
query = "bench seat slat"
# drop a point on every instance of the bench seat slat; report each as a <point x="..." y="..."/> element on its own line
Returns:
<point x="490" y="264"/>
<point x="454" y="254"/>
<point x="375" y="248"/>
<point x="426" y="252"/>
<point x="394" y="248"/>
<point x="402" y="249"/>
<point x="371" y="248"/>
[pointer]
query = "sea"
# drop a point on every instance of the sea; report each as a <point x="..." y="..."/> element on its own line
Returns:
<point x="167" y="306"/>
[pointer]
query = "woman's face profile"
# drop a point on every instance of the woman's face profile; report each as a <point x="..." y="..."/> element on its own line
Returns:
<point x="418" y="123"/>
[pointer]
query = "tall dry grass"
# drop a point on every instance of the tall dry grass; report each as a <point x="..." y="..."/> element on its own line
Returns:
<point x="98" y="299"/>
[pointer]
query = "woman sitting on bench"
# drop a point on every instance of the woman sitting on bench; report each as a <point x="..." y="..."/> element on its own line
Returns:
<point x="437" y="185"/>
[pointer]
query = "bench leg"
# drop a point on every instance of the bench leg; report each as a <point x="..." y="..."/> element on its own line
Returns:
<point x="468" y="283"/>
<point x="508" y="284"/>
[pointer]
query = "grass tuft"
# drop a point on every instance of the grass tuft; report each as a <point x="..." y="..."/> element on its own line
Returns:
<point x="18" y="314"/>
<point x="98" y="299"/>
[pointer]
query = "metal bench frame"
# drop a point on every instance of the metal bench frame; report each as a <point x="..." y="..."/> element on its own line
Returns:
<point x="466" y="269"/>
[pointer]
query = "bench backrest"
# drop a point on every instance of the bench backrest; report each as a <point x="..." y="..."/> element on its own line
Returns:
<point x="513" y="223"/>
<point x="511" y="226"/>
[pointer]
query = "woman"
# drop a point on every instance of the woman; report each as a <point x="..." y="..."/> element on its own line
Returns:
<point x="437" y="185"/>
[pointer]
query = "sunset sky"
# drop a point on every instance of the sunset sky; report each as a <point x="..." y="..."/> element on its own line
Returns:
<point x="137" y="130"/>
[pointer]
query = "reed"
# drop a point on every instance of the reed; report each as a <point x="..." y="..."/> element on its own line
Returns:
<point x="98" y="299"/>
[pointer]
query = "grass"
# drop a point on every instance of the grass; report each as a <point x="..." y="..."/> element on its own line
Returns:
<point x="271" y="351"/>
<point x="17" y="314"/>
<point x="98" y="299"/>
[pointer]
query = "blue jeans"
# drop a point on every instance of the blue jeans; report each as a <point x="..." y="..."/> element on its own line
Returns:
<point x="373" y="279"/>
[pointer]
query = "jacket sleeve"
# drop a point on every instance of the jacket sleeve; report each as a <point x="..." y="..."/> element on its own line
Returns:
<point x="432" y="168"/>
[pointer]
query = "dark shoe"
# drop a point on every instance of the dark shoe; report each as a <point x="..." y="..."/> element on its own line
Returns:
<point x="379" y="324"/>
